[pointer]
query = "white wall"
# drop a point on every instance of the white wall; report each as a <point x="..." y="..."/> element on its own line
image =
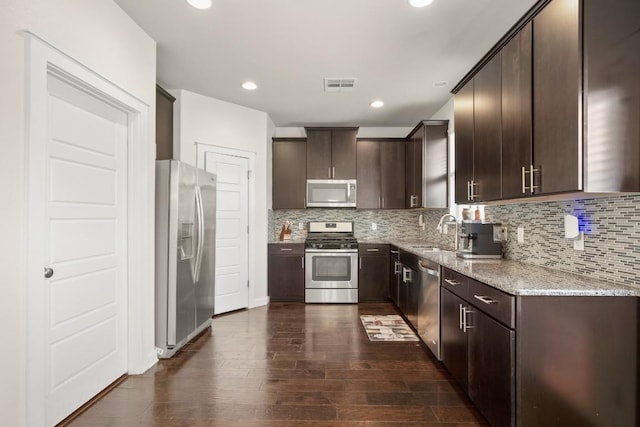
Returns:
<point x="200" y="119"/>
<point x="100" y="35"/>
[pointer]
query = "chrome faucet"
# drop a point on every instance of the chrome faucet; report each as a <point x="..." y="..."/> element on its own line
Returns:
<point x="454" y="220"/>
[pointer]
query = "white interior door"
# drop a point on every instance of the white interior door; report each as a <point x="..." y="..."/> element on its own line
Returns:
<point x="232" y="223"/>
<point x="85" y="247"/>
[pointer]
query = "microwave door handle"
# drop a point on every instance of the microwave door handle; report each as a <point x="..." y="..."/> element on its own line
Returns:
<point x="348" y="192"/>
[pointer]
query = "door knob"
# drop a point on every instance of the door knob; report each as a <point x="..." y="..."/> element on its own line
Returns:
<point x="48" y="272"/>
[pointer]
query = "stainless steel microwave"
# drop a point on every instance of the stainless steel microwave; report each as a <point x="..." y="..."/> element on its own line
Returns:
<point x="331" y="193"/>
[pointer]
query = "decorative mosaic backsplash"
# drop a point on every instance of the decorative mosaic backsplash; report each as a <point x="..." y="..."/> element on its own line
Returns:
<point x="391" y="224"/>
<point x="611" y="227"/>
<point x="611" y="244"/>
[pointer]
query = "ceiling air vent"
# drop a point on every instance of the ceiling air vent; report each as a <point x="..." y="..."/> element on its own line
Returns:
<point x="334" y="84"/>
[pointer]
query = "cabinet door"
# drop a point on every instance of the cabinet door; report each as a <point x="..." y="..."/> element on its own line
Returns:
<point x="487" y="139"/>
<point x="612" y="90"/>
<point x="373" y="277"/>
<point x="164" y="124"/>
<point x="343" y="153"/>
<point x="289" y="174"/>
<point x="286" y="274"/>
<point x="556" y="97"/>
<point x="463" y="113"/>
<point x="436" y="168"/>
<point x="391" y="174"/>
<point x="491" y="368"/>
<point x="413" y="169"/>
<point x="453" y="339"/>
<point x="319" y="154"/>
<point x="368" y="192"/>
<point x="516" y="113"/>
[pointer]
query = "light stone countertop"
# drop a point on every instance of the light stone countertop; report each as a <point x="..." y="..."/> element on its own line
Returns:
<point x="521" y="279"/>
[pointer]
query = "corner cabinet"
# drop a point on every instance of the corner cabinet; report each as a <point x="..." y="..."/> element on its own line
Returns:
<point x="289" y="173"/>
<point x="426" y="165"/>
<point x="380" y="165"/>
<point x="331" y="153"/>
<point x="286" y="271"/>
<point x="373" y="277"/>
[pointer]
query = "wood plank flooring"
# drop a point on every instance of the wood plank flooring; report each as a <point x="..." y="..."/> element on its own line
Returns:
<point x="289" y="364"/>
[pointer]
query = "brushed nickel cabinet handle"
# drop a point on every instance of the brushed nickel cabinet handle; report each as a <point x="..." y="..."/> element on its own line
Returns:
<point x="485" y="299"/>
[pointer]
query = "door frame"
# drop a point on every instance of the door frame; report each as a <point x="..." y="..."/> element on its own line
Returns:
<point x="201" y="150"/>
<point x="42" y="59"/>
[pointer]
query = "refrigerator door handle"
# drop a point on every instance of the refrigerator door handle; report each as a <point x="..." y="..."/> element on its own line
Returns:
<point x="200" y="220"/>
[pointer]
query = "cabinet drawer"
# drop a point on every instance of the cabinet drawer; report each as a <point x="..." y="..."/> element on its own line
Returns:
<point x="455" y="282"/>
<point x="495" y="303"/>
<point x="286" y="248"/>
<point x="373" y="249"/>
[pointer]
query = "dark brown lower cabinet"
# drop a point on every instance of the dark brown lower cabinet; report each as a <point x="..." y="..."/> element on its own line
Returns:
<point x="491" y="368"/>
<point x="477" y="349"/>
<point x="453" y="340"/>
<point x="578" y="361"/>
<point x="394" y="273"/>
<point x="373" y="277"/>
<point x="286" y="271"/>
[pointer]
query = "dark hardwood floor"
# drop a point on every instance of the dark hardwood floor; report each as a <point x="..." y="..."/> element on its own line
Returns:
<point x="289" y="364"/>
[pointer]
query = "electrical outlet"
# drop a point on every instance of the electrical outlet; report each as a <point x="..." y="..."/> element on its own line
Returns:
<point x="300" y="226"/>
<point x="374" y="226"/>
<point x="504" y="233"/>
<point x="578" y="243"/>
<point x="445" y="229"/>
<point x="520" y="234"/>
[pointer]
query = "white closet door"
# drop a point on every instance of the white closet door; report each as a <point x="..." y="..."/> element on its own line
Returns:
<point x="232" y="221"/>
<point x="85" y="241"/>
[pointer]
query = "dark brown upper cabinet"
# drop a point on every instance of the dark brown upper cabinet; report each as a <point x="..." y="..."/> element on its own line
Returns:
<point x="463" y="113"/>
<point x="556" y="99"/>
<point x="516" y="113"/>
<point x="164" y="124"/>
<point x="289" y="173"/>
<point x="611" y="37"/>
<point x="331" y="153"/>
<point x="570" y="98"/>
<point x="478" y="121"/>
<point x="426" y="165"/>
<point x="487" y="128"/>
<point x="380" y="173"/>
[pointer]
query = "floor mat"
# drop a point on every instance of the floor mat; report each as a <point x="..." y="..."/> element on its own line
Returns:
<point x="387" y="328"/>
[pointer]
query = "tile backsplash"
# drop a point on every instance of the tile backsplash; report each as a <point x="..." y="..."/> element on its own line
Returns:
<point x="391" y="223"/>
<point x="611" y="227"/>
<point x="611" y="244"/>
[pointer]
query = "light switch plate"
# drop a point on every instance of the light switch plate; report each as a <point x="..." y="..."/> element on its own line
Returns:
<point x="578" y="243"/>
<point x="445" y="229"/>
<point x="300" y="226"/>
<point x="374" y="226"/>
<point x="520" y="234"/>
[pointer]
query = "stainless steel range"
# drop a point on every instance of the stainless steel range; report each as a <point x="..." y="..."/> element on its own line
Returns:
<point x="331" y="260"/>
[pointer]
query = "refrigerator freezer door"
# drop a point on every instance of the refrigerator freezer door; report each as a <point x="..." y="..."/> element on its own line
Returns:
<point x="182" y="297"/>
<point x="205" y="287"/>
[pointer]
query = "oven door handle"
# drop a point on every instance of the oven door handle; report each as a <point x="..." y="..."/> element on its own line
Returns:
<point x="331" y="251"/>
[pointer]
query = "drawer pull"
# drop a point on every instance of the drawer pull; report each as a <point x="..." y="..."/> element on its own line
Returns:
<point x="373" y="250"/>
<point x="452" y="282"/>
<point x="485" y="299"/>
<point x="286" y="249"/>
<point x="395" y="252"/>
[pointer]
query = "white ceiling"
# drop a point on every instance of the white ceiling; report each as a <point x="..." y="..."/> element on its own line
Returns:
<point x="288" y="47"/>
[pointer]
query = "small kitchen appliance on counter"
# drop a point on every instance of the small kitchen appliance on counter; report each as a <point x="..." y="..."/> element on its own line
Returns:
<point x="480" y="240"/>
<point x="331" y="263"/>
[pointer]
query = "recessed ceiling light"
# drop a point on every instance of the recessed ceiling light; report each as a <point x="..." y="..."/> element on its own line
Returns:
<point x="249" y="86"/>
<point x="441" y="83"/>
<point x="420" y="3"/>
<point x="200" y="4"/>
<point x="377" y="104"/>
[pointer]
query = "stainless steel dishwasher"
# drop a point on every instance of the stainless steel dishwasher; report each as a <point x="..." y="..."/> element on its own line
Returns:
<point x="429" y="305"/>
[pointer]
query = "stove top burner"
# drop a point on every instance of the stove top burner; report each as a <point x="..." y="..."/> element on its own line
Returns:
<point x="323" y="236"/>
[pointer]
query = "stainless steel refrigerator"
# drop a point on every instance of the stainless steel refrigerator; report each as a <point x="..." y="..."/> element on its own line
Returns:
<point x="185" y="253"/>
